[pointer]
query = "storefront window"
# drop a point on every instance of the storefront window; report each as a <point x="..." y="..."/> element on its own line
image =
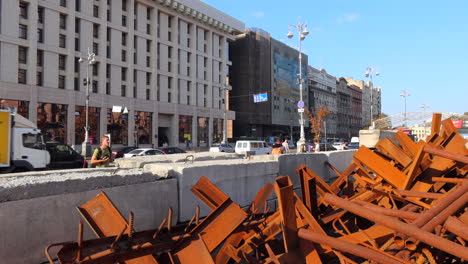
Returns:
<point x="185" y="128"/>
<point x="217" y="130"/>
<point x="143" y="127"/>
<point x="93" y="122"/>
<point x="52" y="120"/>
<point x="117" y="127"/>
<point x="202" y="131"/>
<point x="20" y="107"/>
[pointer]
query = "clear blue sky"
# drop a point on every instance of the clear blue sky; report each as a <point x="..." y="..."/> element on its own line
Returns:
<point x="421" y="46"/>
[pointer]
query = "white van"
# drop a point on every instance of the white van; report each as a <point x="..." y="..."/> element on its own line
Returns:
<point x="259" y="147"/>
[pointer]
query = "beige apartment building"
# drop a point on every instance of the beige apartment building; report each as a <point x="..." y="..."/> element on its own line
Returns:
<point x="161" y="70"/>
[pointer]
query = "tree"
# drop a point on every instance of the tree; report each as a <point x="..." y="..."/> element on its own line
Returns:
<point x="316" y="121"/>
<point x="383" y="122"/>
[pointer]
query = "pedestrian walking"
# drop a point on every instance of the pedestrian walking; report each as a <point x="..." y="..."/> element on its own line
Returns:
<point x="316" y="146"/>
<point x="102" y="155"/>
<point x="286" y="145"/>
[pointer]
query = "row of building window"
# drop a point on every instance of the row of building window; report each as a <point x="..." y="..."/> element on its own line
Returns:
<point x="63" y="25"/>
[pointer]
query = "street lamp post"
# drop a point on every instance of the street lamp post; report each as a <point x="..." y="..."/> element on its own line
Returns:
<point x="405" y="94"/>
<point x="302" y="33"/>
<point x="424" y="106"/>
<point x="86" y="145"/>
<point x="369" y="74"/>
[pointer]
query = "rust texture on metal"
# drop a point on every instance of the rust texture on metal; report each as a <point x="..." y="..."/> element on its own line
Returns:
<point x="404" y="202"/>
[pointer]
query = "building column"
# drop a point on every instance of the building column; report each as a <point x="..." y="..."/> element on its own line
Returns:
<point x="71" y="119"/>
<point x="174" y="130"/>
<point x="155" y="126"/>
<point x="194" y="130"/>
<point x="210" y="129"/>
<point x="33" y="111"/>
<point x="131" y="127"/>
<point x="103" y="121"/>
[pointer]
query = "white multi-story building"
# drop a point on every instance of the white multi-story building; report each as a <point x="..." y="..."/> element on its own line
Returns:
<point x="165" y="63"/>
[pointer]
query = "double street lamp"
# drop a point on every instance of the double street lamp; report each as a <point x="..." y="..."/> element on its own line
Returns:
<point x="370" y="71"/>
<point x="302" y="33"/>
<point x="86" y="145"/>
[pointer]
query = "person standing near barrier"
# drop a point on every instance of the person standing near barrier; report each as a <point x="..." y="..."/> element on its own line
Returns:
<point x="102" y="155"/>
<point x="286" y="145"/>
<point x="316" y="146"/>
<point x="277" y="148"/>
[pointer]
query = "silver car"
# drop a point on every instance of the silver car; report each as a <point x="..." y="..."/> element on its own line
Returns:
<point x="143" y="152"/>
<point x="223" y="147"/>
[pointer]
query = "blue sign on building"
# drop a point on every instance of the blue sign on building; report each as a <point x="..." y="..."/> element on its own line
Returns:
<point x="260" y="97"/>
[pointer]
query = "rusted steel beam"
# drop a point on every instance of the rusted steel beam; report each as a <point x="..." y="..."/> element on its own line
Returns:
<point x="306" y="175"/>
<point x="446" y="154"/>
<point x="227" y="250"/>
<point x="451" y="209"/>
<point x="436" y="119"/>
<point x="408" y="193"/>
<point x="387" y="211"/>
<point x="195" y="252"/>
<point x="208" y="193"/>
<point x="389" y="148"/>
<point x="102" y="216"/>
<point x="284" y="192"/>
<point x="128" y="250"/>
<point x="260" y="199"/>
<point x="440" y="205"/>
<point x="408" y="145"/>
<point x="343" y="178"/>
<point x="374" y="232"/>
<point x="410" y="230"/>
<point x="221" y="222"/>
<point x="381" y="167"/>
<point x="263" y="232"/>
<point x="348" y="247"/>
<point x="411" y="243"/>
<point x="105" y="220"/>
<point x="450" y="180"/>
<point x="456" y="227"/>
<point x="414" y="169"/>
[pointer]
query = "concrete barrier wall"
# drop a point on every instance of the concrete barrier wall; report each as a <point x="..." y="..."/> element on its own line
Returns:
<point x="239" y="179"/>
<point x="141" y="161"/>
<point x="28" y="226"/>
<point x="37" y="209"/>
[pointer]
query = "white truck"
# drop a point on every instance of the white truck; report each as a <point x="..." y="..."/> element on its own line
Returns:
<point x="22" y="146"/>
<point x="370" y="137"/>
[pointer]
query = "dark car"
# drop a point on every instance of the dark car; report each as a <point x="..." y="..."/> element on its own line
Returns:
<point x="171" y="150"/>
<point x="119" y="153"/>
<point x="353" y="145"/>
<point x="63" y="156"/>
<point x="326" y="147"/>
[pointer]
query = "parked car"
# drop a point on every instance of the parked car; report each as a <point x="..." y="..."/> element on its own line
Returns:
<point x="326" y="147"/>
<point x="143" y="152"/>
<point x="223" y="147"/>
<point x="171" y="150"/>
<point x="339" y="146"/>
<point x="119" y="152"/>
<point x="353" y="145"/>
<point x="259" y="147"/>
<point x="63" y="156"/>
